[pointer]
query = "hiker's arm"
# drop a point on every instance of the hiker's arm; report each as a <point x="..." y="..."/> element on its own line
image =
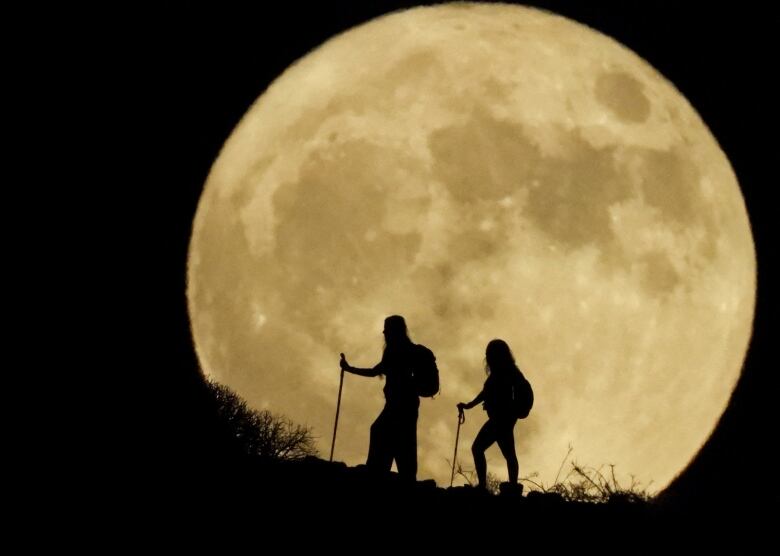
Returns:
<point x="479" y="399"/>
<point x="375" y="371"/>
<point x="362" y="372"/>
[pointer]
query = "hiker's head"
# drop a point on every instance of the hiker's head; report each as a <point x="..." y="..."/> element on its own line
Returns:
<point x="498" y="357"/>
<point x="395" y="330"/>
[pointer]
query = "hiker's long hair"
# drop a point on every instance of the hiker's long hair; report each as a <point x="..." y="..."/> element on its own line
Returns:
<point x="396" y="339"/>
<point x="396" y="333"/>
<point x="499" y="359"/>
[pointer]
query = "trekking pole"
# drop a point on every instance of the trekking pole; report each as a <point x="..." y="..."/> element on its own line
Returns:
<point x="461" y="420"/>
<point x="338" y="409"/>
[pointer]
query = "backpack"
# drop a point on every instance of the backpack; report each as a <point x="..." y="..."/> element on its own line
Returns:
<point x="522" y="397"/>
<point x="425" y="373"/>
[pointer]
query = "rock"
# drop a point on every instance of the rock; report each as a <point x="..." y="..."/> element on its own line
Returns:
<point x="546" y="498"/>
<point x="511" y="489"/>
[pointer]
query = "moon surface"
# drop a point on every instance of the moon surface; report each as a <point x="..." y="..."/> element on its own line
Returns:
<point x="487" y="171"/>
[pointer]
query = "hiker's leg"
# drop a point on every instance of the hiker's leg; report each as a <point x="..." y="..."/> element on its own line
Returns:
<point x="485" y="438"/>
<point x="506" y="442"/>
<point x="380" y="455"/>
<point x="406" y="447"/>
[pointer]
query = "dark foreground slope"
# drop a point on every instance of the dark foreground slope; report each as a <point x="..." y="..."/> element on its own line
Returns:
<point x="195" y="472"/>
<point x="312" y="501"/>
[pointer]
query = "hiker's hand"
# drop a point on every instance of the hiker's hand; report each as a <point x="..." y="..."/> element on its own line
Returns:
<point x="343" y="363"/>
<point x="461" y="407"/>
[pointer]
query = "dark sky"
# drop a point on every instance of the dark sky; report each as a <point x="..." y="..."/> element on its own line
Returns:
<point x="199" y="69"/>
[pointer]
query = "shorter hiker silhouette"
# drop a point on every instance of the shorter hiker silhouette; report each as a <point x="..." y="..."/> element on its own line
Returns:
<point x="497" y="399"/>
<point x="394" y="432"/>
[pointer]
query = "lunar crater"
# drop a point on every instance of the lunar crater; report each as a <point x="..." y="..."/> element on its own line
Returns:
<point x="623" y="95"/>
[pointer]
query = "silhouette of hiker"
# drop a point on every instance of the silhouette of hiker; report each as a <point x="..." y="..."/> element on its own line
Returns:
<point x="394" y="433"/>
<point x="496" y="396"/>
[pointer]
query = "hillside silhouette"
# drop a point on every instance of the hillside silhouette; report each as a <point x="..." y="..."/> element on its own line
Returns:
<point x="254" y="455"/>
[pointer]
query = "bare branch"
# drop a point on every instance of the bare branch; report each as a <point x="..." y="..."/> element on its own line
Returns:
<point x="261" y="433"/>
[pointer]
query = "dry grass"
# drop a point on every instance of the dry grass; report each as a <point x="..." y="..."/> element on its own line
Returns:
<point x="580" y="483"/>
<point x="591" y="484"/>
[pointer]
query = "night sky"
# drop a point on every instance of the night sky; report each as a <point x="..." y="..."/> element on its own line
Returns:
<point x="200" y="69"/>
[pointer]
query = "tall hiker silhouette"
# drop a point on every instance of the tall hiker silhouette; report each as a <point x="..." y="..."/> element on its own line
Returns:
<point x="498" y="398"/>
<point x="394" y="432"/>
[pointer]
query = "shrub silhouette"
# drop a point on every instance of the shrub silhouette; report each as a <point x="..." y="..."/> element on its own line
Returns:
<point x="259" y="432"/>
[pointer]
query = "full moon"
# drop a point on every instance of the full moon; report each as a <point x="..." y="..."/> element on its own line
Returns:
<point x="486" y="171"/>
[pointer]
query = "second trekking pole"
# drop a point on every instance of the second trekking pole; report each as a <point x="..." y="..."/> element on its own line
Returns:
<point x="338" y="408"/>
<point x="461" y="420"/>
